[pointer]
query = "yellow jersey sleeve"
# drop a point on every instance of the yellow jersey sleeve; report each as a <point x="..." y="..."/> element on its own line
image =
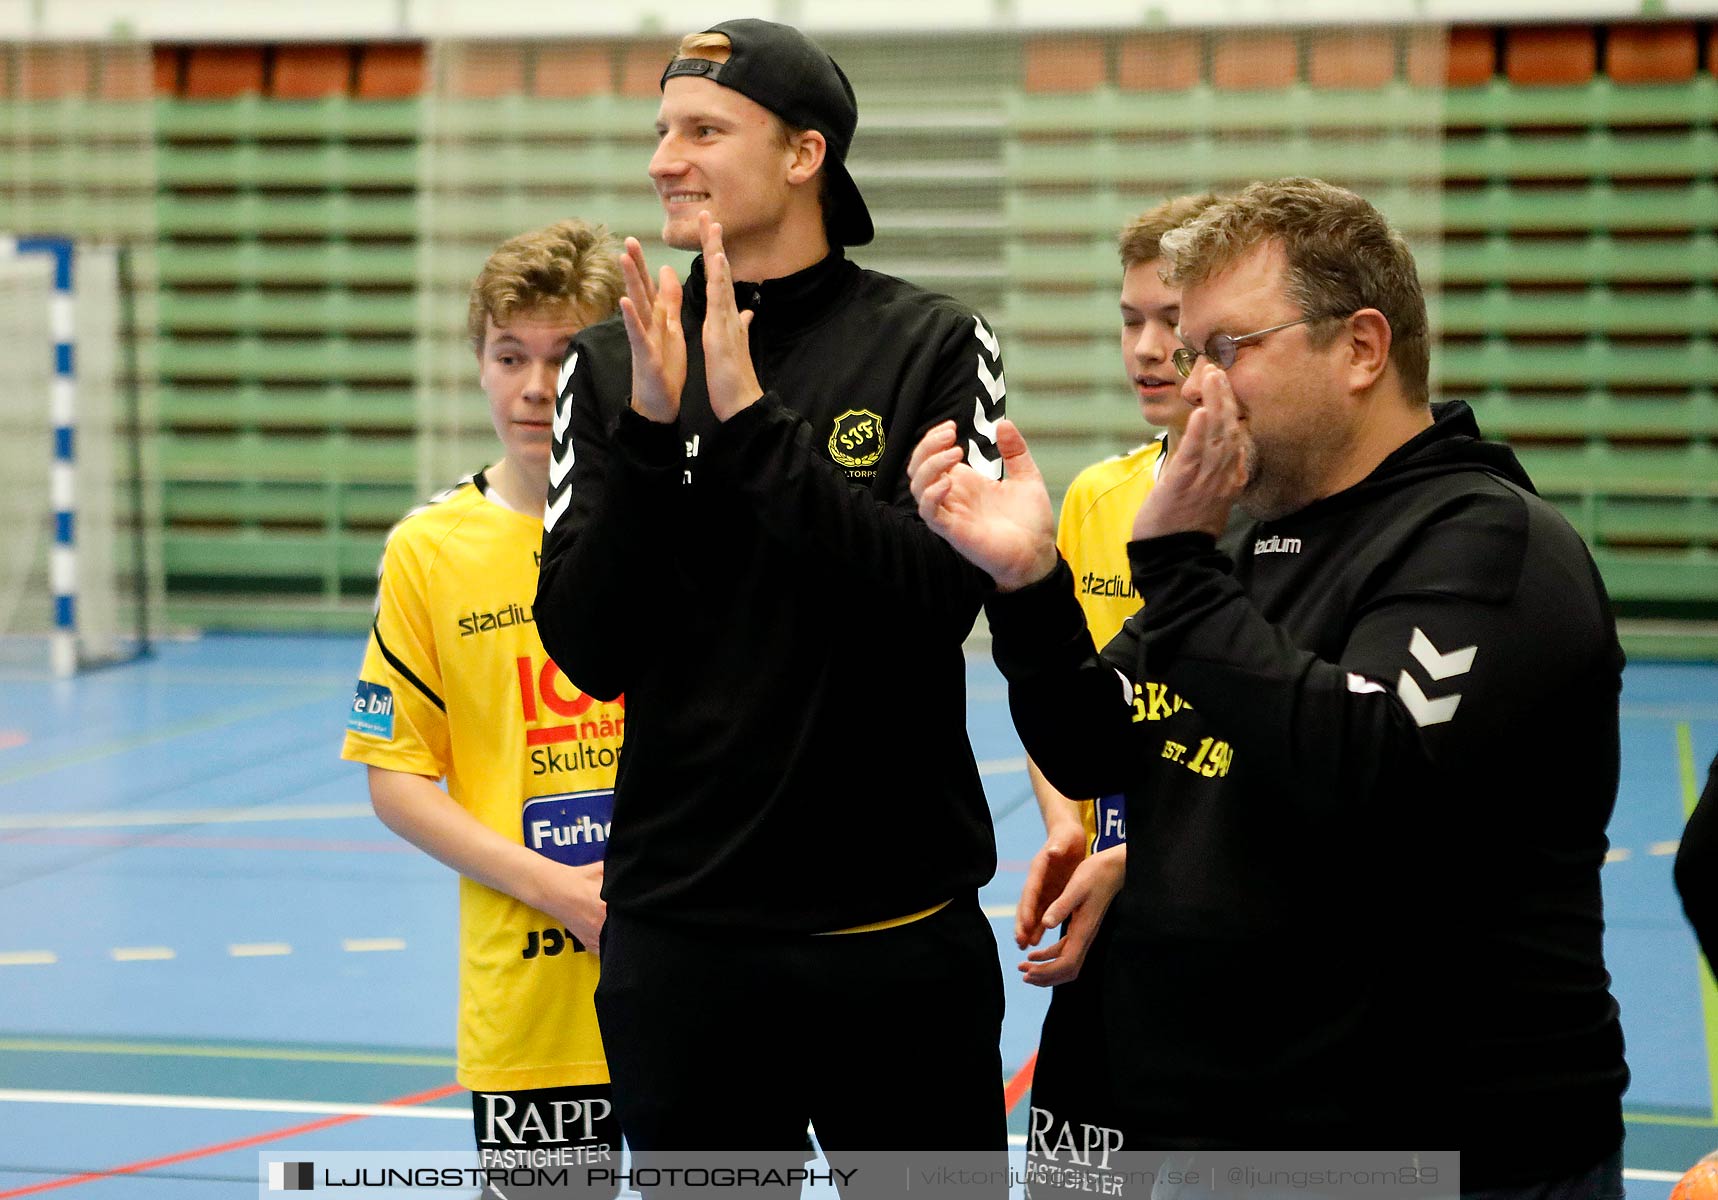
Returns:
<point x="399" y="716"/>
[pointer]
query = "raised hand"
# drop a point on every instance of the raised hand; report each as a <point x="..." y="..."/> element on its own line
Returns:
<point x="728" y="372"/>
<point x="1004" y="527"/>
<point x="652" y="315"/>
<point x="1204" y="477"/>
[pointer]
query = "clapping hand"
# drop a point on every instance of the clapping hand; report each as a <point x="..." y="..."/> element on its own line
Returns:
<point x="1003" y="526"/>
<point x="652" y="315"/>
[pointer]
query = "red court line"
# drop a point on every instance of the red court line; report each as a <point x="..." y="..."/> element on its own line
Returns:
<point x="256" y="1139"/>
<point x="1011" y="1095"/>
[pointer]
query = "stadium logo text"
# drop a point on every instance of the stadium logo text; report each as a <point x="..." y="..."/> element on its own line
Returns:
<point x="1277" y="545"/>
<point x="489" y="622"/>
<point x="1093" y="584"/>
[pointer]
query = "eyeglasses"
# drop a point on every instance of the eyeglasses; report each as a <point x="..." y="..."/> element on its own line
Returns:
<point x="1221" y="348"/>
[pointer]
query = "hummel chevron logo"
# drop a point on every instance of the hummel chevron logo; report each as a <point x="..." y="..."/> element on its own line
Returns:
<point x="987" y="339"/>
<point x="553" y="510"/>
<point x="560" y="464"/>
<point x="1439" y="665"/>
<point x="983" y="421"/>
<point x="990" y="468"/>
<point x="981" y="424"/>
<point x="563" y="402"/>
<point x="995" y="385"/>
<point x="1424" y="710"/>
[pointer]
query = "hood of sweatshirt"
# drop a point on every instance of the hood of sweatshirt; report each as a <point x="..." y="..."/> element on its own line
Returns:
<point x="1450" y="445"/>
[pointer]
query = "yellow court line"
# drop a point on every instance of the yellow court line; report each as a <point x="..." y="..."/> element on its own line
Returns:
<point x="142" y="953"/>
<point x="1661" y="1119"/>
<point x="372" y="945"/>
<point x="188" y="1050"/>
<point x="28" y="958"/>
<point x="1708" y="989"/>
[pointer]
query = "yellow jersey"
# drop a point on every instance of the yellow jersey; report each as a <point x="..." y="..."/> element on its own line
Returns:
<point x="456" y="685"/>
<point x="1095" y="527"/>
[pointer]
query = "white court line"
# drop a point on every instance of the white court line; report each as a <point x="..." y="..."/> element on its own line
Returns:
<point x="258" y="949"/>
<point x="994" y="911"/>
<point x="141" y="953"/>
<point x="366" y="945"/>
<point x="1001" y="766"/>
<point x="1618" y="855"/>
<point x="28" y="958"/>
<point x="231" y="1104"/>
<point x="1661" y="849"/>
<point x="185" y="816"/>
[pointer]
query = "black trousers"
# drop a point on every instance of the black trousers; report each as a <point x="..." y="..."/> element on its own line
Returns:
<point x="1073" y="1116"/>
<point x="732" y="1039"/>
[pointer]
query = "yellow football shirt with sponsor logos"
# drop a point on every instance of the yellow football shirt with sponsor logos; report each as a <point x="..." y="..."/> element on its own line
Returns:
<point x="456" y="685"/>
<point x="1092" y="533"/>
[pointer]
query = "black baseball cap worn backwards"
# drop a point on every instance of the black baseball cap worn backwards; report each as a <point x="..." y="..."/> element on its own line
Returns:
<point x="780" y="68"/>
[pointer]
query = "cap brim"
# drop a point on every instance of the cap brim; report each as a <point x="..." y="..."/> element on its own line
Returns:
<point x="850" y="224"/>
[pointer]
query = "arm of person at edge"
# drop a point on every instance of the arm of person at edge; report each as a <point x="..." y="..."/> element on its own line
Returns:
<point x="619" y="469"/>
<point x="427" y="817"/>
<point x="805" y="501"/>
<point x="1697" y="869"/>
<point x="1048" y="873"/>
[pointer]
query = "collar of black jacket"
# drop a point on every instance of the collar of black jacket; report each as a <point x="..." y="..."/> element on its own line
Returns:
<point x="781" y="306"/>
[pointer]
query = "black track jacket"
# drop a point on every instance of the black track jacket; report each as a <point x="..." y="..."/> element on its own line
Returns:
<point x="787" y="632"/>
<point x="1367" y="796"/>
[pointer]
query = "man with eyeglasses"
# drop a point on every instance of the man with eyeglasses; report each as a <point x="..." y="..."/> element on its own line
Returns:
<point x="1361" y="905"/>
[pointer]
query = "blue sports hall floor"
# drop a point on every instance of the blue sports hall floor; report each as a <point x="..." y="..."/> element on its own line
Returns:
<point x="211" y="949"/>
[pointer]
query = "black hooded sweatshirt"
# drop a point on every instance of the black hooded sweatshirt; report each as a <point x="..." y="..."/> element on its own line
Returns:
<point x="1369" y="764"/>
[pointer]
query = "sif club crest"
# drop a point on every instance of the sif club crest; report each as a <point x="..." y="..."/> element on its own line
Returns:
<point x="856" y="442"/>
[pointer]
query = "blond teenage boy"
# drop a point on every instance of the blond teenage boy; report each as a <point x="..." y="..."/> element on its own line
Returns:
<point x="456" y="685"/>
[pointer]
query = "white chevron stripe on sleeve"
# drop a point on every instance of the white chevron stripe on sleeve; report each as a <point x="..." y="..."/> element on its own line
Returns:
<point x="1425" y="711"/>
<point x="1439" y="665"/>
<point x="560" y="463"/>
<point x="553" y="511"/>
<point x="995" y="385"/>
<point x="566" y="374"/>
<point x="981" y="424"/>
<point x="564" y="402"/>
<point x="986" y="339"/>
<point x="990" y="468"/>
